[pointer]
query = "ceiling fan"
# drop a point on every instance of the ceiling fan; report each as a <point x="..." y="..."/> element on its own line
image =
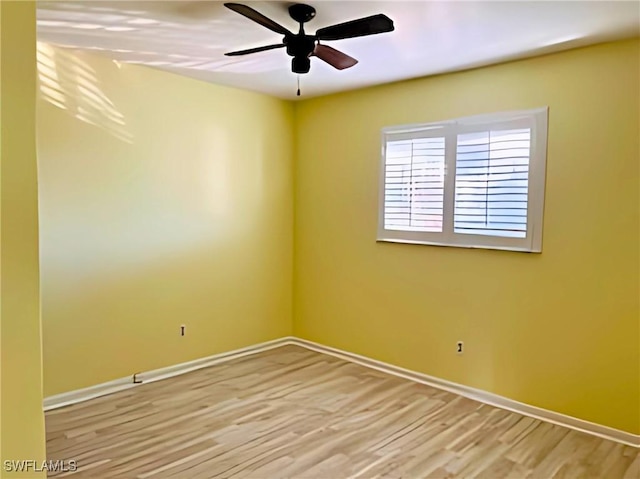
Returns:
<point x="301" y="46"/>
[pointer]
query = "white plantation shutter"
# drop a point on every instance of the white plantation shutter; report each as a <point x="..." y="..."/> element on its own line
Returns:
<point x="414" y="184"/>
<point x="472" y="182"/>
<point x="492" y="183"/>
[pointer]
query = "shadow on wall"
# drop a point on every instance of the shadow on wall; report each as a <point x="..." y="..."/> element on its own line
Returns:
<point x="71" y="84"/>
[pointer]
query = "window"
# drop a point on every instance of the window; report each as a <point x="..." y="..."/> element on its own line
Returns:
<point x="475" y="182"/>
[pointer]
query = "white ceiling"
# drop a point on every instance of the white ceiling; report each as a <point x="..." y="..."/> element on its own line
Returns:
<point x="190" y="37"/>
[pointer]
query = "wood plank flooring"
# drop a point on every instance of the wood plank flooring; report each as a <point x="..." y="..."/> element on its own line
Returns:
<point x="294" y="413"/>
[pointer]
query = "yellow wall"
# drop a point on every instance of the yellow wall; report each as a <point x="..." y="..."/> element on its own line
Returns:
<point x="0" y="238"/>
<point x="164" y="201"/>
<point x="557" y="330"/>
<point x="167" y="201"/>
<point x="21" y="417"/>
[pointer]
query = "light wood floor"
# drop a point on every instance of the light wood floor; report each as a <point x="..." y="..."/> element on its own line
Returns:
<point x="293" y="413"/>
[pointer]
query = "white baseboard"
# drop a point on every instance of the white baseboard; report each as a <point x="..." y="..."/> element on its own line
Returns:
<point x="480" y="395"/>
<point x="84" y="394"/>
<point x="72" y="397"/>
<point x="170" y="371"/>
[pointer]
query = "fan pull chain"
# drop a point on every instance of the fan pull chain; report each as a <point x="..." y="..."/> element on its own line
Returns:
<point x="298" y="85"/>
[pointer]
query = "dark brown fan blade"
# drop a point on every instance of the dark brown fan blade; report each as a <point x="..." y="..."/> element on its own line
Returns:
<point x="257" y="17"/>
<point x="333" y="57"/>
<point x="254" y="50"/>
<point x="356" y="28"/>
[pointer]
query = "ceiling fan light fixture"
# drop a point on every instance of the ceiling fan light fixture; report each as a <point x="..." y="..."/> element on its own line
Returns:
<point x="300" y="64"/>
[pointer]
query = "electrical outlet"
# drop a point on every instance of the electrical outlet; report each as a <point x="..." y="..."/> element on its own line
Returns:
<point x="183" y="330"/>
<point x="460" y="347"/>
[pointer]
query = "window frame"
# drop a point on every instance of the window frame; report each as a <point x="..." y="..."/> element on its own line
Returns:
<point x="536" y="119"/>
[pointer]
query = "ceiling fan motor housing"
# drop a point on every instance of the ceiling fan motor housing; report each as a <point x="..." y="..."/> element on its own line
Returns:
<point x="300" y="45"/>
